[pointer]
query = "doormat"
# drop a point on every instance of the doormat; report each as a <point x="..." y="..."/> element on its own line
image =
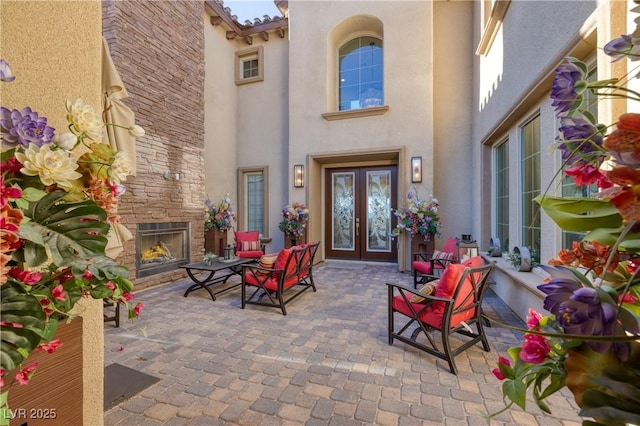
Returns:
<point x="121" y="383"/>
<point x="355" y="266"/>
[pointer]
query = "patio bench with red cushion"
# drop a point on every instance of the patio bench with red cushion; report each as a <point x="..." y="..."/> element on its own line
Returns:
<point x="290" y="276"/>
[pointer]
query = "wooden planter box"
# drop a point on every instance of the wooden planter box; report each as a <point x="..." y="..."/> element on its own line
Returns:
<point x="419" y="245"/>
<point x="215" y="241"/>
<point x="53" y="396"/>
<point x="290" y="241"/>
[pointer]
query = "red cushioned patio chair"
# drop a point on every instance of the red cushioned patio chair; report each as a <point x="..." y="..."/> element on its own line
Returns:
<point x="248" y="244"/>
<point x="453" y="308"/>
<point x="425" y="266"/>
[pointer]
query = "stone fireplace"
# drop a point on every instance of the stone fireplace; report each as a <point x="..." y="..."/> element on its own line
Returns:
<point x="162" y="247"/>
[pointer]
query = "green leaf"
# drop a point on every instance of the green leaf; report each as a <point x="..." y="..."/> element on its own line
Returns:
<point x="19" y="307"/>
<point x="69" y="229"/>
<point x="580" y="214"/>
<point x="516" y="391"/>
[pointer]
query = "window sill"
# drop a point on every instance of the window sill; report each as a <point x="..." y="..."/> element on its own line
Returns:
<point x="355" y="113"/>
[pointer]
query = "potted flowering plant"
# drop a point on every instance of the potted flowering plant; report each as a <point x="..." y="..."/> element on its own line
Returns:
<point x="589" y="341"/>
<point x="58" y="198"/>
<point x="219" y="216"/>
<point x="294" y="220"/>
<point x="419" y="217"/>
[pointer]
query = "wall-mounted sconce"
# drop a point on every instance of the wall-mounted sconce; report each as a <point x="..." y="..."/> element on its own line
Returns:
<point x="416" y="169"/>
<point x="171" y="175"/>
<point x="298" y="176"/>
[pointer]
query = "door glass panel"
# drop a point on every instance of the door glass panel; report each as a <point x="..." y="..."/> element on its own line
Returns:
<point x="378" y="211"/>
<point x="342" y="235"/>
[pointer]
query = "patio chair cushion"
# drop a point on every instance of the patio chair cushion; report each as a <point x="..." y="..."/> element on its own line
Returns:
<point x="428" y="288"/>
<point x="450" y="279"/>
<point x="248" y="244"/>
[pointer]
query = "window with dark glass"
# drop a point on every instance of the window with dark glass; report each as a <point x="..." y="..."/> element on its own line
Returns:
<point x="530" y="184"/>
<point x="360" y="74"/>
<point x="501" y="181"/>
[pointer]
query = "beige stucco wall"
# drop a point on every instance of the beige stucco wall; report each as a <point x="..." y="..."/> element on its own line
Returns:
<point x="54" y="60"/>
<point x="220" y="115"/>
<point x="406" y="127"/>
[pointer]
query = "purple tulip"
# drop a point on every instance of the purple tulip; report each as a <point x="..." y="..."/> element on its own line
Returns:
<point x="24" y="127"/>
<point x="581" y="141"/>
<point x="619" y="47"/>
<point x="580" y="310"/>
<point x="563" y="92"/>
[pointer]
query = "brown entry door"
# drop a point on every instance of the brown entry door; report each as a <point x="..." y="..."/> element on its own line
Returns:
<point x="358" y="210"/>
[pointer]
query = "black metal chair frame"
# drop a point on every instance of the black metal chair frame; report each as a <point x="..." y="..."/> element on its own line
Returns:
<point x="302" y="273"/>
<point x="471" y="301"/>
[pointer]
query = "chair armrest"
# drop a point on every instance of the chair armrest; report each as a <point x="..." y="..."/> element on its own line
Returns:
<point x="423" y="256"/>
<point x="429" y="297"/>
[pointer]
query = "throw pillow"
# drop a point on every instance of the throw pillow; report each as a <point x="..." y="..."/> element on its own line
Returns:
<point x="267" y="261"/>
<point x="250" y="246"/>
<point x="428" y="289"/>
<point x="442" y="255"/>
<point x="451" y="278"/>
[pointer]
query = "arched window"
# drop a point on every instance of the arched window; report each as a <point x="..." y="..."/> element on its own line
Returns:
<point x="360" y="85"/>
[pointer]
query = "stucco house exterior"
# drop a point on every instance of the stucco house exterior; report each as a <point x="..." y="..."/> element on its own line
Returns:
<point x="232" y="107"/>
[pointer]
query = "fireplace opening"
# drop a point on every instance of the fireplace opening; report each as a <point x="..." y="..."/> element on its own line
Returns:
<point x="161" y="247"/>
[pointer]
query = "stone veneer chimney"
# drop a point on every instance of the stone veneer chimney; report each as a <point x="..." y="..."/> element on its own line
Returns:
<point x="158" y="49"/>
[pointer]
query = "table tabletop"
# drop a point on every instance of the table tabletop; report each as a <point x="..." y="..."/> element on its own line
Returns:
<point x="218" y="264"/>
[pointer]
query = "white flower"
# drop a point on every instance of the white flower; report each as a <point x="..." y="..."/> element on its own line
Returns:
<point x="53" y="167"/>
<point x="136" y="131"/>
<point x="84" y="119"/>
<point x="120" y="168"/>
<point x="65" y="141"/>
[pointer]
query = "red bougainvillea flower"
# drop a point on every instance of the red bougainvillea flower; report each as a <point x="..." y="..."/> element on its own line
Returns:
<point x="627" y="298"/>
<point x="624" y="142"/>
<point x="25" y="374"/>
<point x="58" y="293"/>
<point x="27" y="277"/>
<point x="587" y="174"/>
<point x="127" y="296"/>
<point x="87" y="275"/>
<point x="626" y="196"/>
<point x="110" y="285"/>
<point x="50" y="346"/>
<point x="45" y="303"/>
<point x="138" y="308"/>
<point x="2" y="371"/>
<point x="496" y="371"/>
<point x="534" y="349"/>
<point x="533" y="320"/>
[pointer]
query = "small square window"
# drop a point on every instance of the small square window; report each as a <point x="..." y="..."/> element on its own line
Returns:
<point x="249" y="65"/>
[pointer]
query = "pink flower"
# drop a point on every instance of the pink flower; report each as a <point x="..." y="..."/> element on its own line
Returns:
<point x="50" y="346"/>
<point x="127" y="296"/>
<point x="29" y="278"/>
<point x="534" y="319"/>
<point x="58" y="293"/>
<point x="138" y="308"/>
<point x="534" y="349"/>
<point x="496" y="371"/>
<point x="25" y="374"/>
<point x="110" y="285"/>
<point x="11" y="324"/>
<point x="44" y="303"/>
<point x="87" y="275"/>
<point x="2" y="371"/>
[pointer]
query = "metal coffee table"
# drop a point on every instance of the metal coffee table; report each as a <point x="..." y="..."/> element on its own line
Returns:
<point x="219" y="271"/>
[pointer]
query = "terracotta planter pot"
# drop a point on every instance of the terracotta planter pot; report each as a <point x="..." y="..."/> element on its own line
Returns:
<point x="215" y="241"/>
<point x="54" y="393"/>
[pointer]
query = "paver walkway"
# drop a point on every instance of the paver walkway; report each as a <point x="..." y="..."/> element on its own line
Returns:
<point x="325" y="363"/>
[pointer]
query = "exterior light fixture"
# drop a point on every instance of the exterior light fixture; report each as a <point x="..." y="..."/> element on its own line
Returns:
<point x="467" y="248"/>
<point x="416" y="169"/>
<point x="298" y="176"/>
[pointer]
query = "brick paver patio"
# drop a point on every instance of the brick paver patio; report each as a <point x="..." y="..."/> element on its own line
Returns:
<point x="326" y="363"/>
